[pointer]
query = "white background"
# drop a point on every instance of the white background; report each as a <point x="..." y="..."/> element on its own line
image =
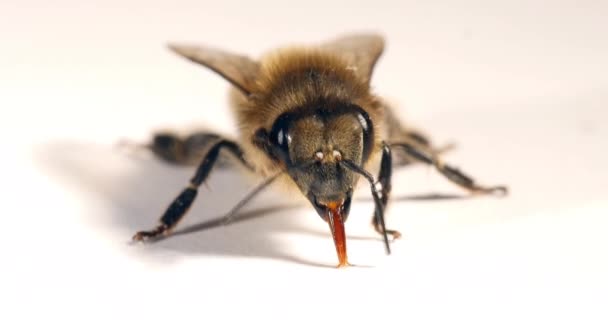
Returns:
<point x="520" y="86"/>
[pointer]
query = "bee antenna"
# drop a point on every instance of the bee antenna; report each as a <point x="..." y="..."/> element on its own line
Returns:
<point x="379" y="212"/>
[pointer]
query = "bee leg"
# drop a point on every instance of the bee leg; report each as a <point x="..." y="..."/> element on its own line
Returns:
<point x="422" y="154"/>
<point x="418" y="137"/>
<point x="178" y="208"/>
<point x="401" y="159"/>
<point x="384" y="179"/>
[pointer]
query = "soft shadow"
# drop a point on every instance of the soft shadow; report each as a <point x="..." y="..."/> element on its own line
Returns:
<point x="136" y="189"/>
<point x="240" y="217"/>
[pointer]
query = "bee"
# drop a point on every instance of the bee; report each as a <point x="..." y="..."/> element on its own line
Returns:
<point x="306" y="115"/>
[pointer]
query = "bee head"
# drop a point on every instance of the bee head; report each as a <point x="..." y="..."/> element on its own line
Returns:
<point x="310" y="144"/>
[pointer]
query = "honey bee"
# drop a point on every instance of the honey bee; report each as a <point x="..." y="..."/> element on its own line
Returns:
<point x="306" y="115"/>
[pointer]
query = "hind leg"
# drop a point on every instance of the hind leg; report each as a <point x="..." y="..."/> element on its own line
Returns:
<point x="397" y="132"/>
<point x="424" y="155"/>
<point x="410" y="146"/>
<point x="401" y="158"/>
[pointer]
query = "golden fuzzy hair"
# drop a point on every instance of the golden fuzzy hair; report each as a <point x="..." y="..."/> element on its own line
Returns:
<point x="294" y="78"/>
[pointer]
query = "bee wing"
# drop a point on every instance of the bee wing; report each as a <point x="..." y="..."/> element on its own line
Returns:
<point x="361" y="51"/>
<point x="239" y="70"/>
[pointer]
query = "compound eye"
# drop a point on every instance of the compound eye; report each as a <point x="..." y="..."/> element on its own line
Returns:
<point x="365" y="122"/>
<point x="280" y="136"/>
<point x="283" y="139"/>
<point x="368" y="132"/>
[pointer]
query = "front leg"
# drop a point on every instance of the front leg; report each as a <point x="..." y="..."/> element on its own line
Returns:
<point x="384" y="179"/>
<point x="178" y="208"/>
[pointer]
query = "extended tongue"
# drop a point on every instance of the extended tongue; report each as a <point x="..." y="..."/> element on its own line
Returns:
<point x="336" y="225"/>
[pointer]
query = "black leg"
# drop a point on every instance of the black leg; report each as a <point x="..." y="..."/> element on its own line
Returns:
<point x="181" y="204"/>
<point x="384" y="178"/>
<point x="419" y="138"/>
<point x="402" y="159"/>
<point x="419" y="153"/>
<point x="376" y="194"/>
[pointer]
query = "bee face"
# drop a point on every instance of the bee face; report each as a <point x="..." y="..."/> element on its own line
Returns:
<point x="311" y="144"/>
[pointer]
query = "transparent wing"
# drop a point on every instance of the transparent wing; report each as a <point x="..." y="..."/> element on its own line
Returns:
<point x="239" y="70"/>
<point x="361" y="50"/>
